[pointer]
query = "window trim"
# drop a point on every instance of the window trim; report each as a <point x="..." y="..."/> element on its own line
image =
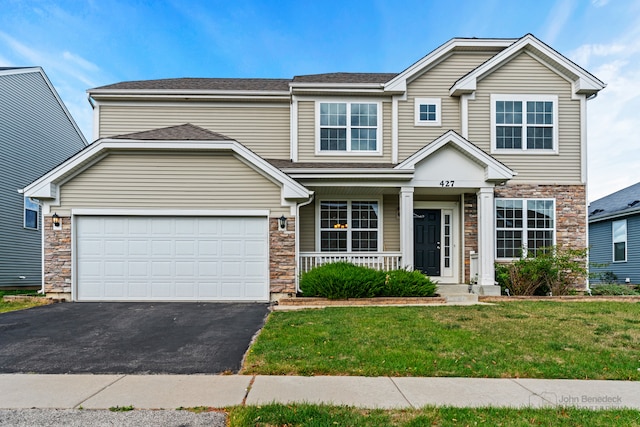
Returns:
<point x="525" y="227"/>
<point x="349" y="201"/>
<point x="524" y="98"/>
<point x="418" y="102"/>
<point x="349" y="151"/>
<point x="613" y="241"/>
<point x="24" y="214"/>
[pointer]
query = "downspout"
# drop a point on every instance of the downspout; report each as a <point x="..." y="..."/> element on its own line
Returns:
<point x="297" y="270"/>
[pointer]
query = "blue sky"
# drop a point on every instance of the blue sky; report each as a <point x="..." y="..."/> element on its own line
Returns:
<point x="83" y="44"/>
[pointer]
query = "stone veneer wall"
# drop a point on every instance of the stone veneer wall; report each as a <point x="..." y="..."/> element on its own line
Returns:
<point x="470" y="232"/>
<point x="57" y="259"/>
<point x="282" y="257"/>
<point x="57" y="255"/>
<point x="571" y="209"/>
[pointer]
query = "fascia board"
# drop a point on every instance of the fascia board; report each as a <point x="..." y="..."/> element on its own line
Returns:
<point x="588" y="82"/>
<point x="292" y="189"/>
<point x="398" y="175"/>
<point x="398" y="83"/>
<point x="615" y="215"/>
<point x="178" y="92"/>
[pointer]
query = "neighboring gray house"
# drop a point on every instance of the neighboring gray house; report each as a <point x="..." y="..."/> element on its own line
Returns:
<point x="614" y="236"/>
<point x="36" y="134"/>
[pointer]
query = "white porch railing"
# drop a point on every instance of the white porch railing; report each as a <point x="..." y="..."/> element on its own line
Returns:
<point x="377" y="260"/>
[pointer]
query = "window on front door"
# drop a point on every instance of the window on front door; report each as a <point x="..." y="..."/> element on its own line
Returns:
<point x="347" y="226"/>
<point x="524" y="225"/>
<point x="348" y="127"/>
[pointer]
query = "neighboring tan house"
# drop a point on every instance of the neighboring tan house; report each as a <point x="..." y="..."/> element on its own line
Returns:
<point x="37" y="133"/>
<point x="614" y="237"/>
<point x="228" y="189"/>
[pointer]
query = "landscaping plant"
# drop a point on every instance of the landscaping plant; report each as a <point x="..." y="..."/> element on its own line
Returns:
<point x="342" y="280"/>
<point x="555" y="271"/>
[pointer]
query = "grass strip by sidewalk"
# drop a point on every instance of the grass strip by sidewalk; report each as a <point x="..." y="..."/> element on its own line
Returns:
<point x="595" y="340"/>
<point x="320" y="415"/>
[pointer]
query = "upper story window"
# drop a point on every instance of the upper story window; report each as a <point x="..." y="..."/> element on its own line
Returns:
<point x="348" y="127"/>
<point x="619" y="231"/>
<point x="427" y="111"/>
<point x="524" y="123"/>
<point x="524" y="225"/>
<point x="31" y="214"/>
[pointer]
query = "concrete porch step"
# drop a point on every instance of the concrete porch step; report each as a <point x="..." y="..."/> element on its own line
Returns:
<point x="456" y="293"/>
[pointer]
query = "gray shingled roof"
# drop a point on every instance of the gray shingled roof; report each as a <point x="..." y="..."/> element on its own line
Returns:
<point x="186" y="132"/>
<point x="345" y="78"/>
<point x="287" y="164"/>
<point x="203" y="84"/>
<point x="623" y="201"/>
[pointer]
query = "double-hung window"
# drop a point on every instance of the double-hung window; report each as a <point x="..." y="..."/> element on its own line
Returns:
<point x="619" y="231"/>
<point x="427" y="111"/>
<point x="31" y="214"/>
<point x="524" y="123"/>
<point x="348" y="127"/>
<point x="524" y="225"/>
<point x="347" y="226"/>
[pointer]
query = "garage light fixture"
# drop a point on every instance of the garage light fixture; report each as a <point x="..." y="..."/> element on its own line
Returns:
<point x="57" y="221"/>
<point x="282" y="222"/>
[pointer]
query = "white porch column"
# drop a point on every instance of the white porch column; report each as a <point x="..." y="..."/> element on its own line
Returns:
<point x="406" y="226"/>
<point x="486" y="242"/>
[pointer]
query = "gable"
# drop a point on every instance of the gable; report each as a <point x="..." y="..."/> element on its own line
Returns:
<point x="448" y="166"/>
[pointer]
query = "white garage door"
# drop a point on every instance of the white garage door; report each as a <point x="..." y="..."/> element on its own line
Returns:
<point x="171" y="258"/>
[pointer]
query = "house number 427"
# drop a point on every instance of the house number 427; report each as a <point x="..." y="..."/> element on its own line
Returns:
<point x="446" y="183"/>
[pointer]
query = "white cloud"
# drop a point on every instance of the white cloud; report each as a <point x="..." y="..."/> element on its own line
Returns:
<point x="87" y="65"/>
<point x="558" y="16"/>
<point x="599" y="3"/>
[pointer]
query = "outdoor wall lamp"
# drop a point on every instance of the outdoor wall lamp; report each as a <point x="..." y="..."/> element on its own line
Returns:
<point x="282" y="221"/>
<point x="57" y="221"/>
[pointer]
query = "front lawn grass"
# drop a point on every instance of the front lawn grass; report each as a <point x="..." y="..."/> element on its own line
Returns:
<point x="320" y="415"/>
<point x="6" y="306"/>
<point x="584" y="340"/>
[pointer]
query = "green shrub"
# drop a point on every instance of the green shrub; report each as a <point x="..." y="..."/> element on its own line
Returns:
<point x="342" y="280"/>
<point x="404" y="283"/>
<point x="552" y="270"/>
<point x="613" y="289"/>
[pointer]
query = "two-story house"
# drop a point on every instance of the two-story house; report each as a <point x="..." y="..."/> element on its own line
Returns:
<point x="228" y="189"/>
<point x="36" y="134"/>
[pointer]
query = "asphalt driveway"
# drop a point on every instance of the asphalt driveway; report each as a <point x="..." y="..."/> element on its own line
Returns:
<point x="129" y="338"/>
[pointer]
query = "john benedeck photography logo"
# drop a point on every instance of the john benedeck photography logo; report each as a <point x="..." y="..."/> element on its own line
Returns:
<point x="578" y="400"/>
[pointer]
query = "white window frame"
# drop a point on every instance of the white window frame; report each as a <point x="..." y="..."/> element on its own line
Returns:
<point x="349" y="151"/>
<point x="525" y="228"/>
<point x="24" y="214"/>
<point x="349" y="229"/>
<point x="524" y="98"/>
<point x="418" y="102"/>
<point x="614" y="241"/>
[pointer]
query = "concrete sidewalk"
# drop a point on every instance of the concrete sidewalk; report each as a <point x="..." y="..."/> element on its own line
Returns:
<point x="172" y="391"/>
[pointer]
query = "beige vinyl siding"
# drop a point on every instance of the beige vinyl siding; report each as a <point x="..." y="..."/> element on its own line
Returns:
<point x="435" y="83"/>
<point x="262" y="128"/>
<point x="525" y="75"/>
<point x="308" y="228"/>
<point x="170" y="181"/>
<point x="307" y="137"/>
<point x="391" y="227"/>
